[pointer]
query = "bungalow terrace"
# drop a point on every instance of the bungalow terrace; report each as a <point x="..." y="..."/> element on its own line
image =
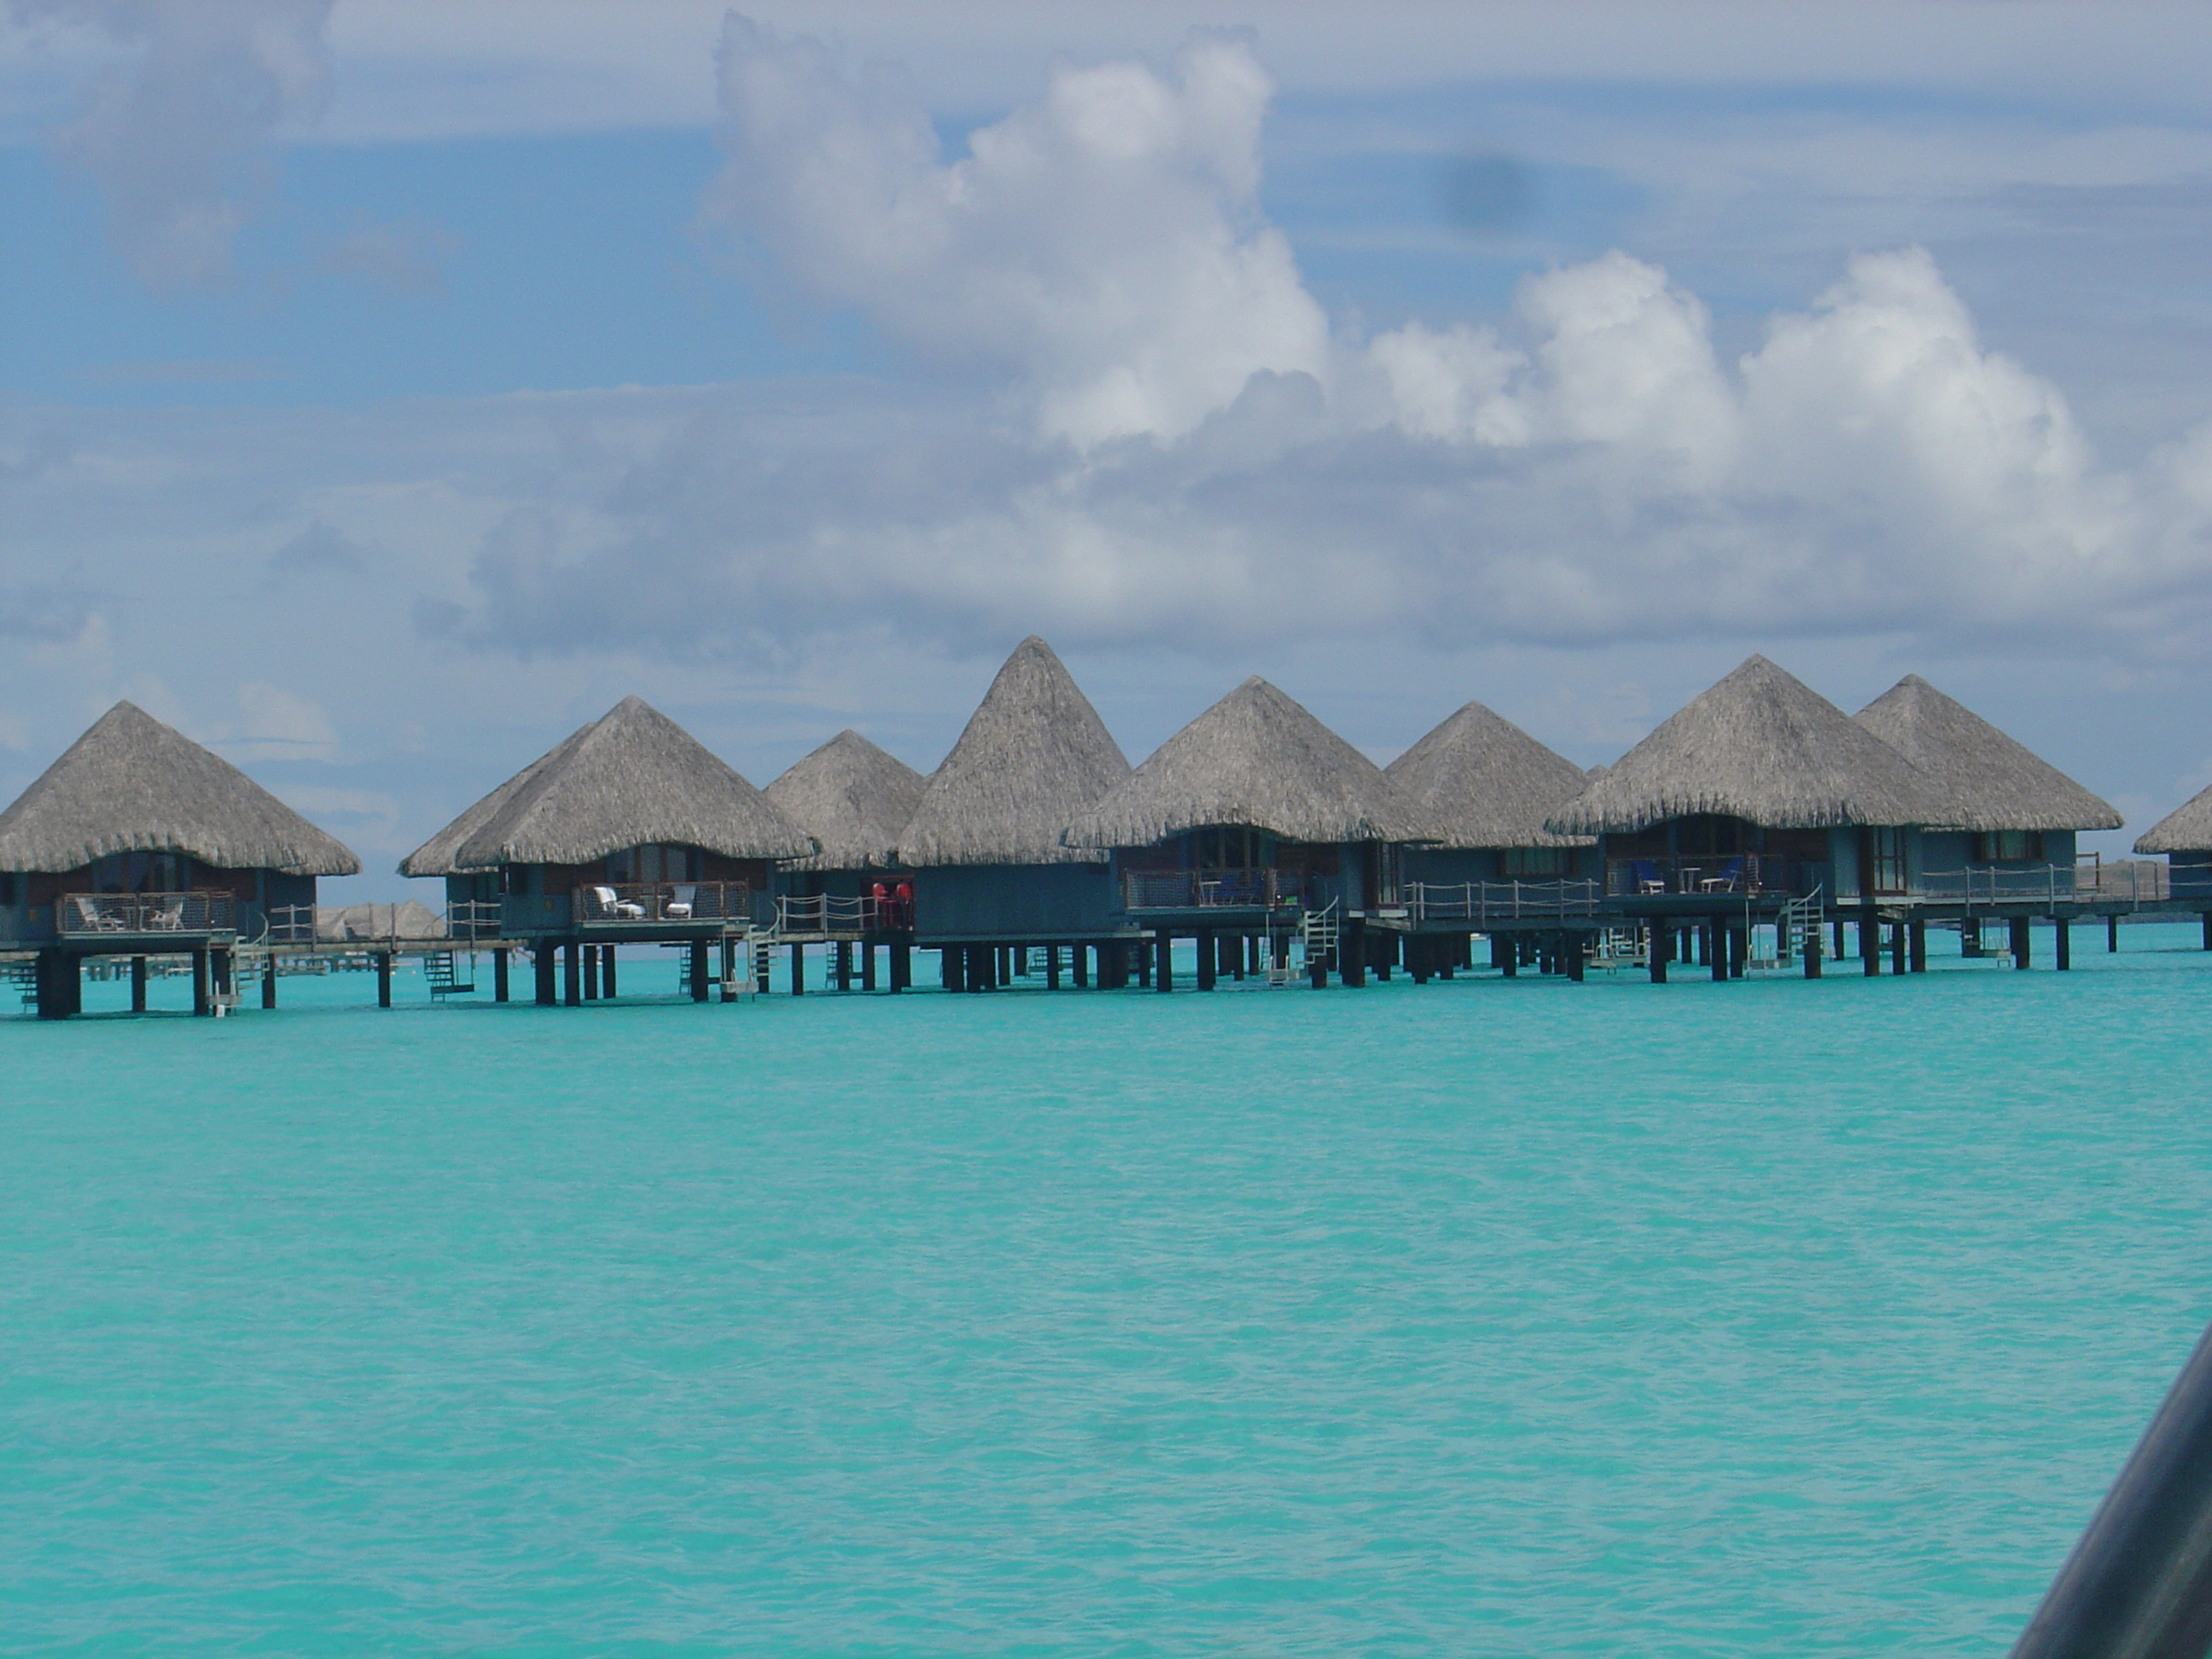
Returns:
<point x="2010" y="817"/>
<point x="1254" y="820"/>
<point x="1489" y="786"/>
<point x="2185" y="836"/>
<point x="854" y="800"/>
<point x="628" y="831"/>
<point x="138" y="842"/>
<point x="992" y="876"/>
<point x="1755" y="801"/>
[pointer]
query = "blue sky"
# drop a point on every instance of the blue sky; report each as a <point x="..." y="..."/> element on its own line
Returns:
<point x="386" y="388"/>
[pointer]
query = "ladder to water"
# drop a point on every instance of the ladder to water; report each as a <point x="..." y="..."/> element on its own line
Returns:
<point x="1800" y="923"/>
<point x="1318" y="931"/>
<point x="444" y="977"/>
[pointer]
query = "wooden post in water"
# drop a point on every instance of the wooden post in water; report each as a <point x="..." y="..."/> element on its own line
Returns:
<point x="729" y="968"/>
<point x="1578" y="946"/>
<point x="953" y="964"/>
<point x="1870" y="939"/>
<point x="607" y="971"/>
<point x="2208" y="930"/>
<point x="1143" y="950"/>
<point x="698" y="970"/>
<point x="499" y="971"/>
<point x="1812" y="953"/>
<point x="1918" y="944"/>
<point x="867" y="965"/>
<point x="1716" y="947"/>
<point x="841" y="966"/>
<point x="2023" y="940"/>
<point x="1163" y="969"/>
<point x="1352" y="951"/>
<point x="901" y="965"/>
<point x="2062" y="943"/>
<point x="2112" y="934"/>
<point x="268" y="980"/>
<point x="799" y="970"/>
<point x="1897" y="948"/>
<point x="137" y="985"/>
<point x="1837" y="952"/>
<point x="591" y="973"/>
<point x="1052" y="967"/>
<point x="1657" y="948"/>
<point x="541" y="961"/>
<point x="1505" y="954"/>
<point x="384" y="978"/>
<point x="1209" y="961"/>
<point x="1077" y="969"/>
<point x="572" y="974"/>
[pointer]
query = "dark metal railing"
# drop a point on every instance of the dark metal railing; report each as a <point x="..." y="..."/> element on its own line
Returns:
<point x="1478" y="901"/>
<point x="830" y="913"/>
<point x="1211" y="889"/>
<point x="617" y="903"/>
<point x="474" y="919"/>
<point x="2001" y="884"/>
<point x="291" y="924"/>
<point x="78" y="915"/>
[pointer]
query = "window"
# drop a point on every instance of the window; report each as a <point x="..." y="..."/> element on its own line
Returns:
<point x="1886" y="861"/>
<point x="651" y="862"/>
<point x="2008" y="846"/>
<point x="1533" y="862"/>
<point x="1232" y="848"/>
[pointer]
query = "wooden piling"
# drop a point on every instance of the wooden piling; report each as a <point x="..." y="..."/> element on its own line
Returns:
<point x="1505" y="955"/>
<point x="1715" y="942"/>
<point x="1164" y="965"/>
<point x="698" y="969"/>
<point x="269" y="982"/>
<point x="541" y="961"/>
<point x="1897" y="948"/>
<point x="1870" y="940"/>
<point x="1659" y="946"/>
<point x="729" y="968"/>
<point x="499" y="971"/>
<point x="2113" y="934"/>
<point x="867" y="966"/>
<point x="901" y="965"/>
<point x="1052" y="967"/>
<point x="2023" y="940"/>
<point x="607" y="971"/>
<point x="1209" y="959"/>
<point x="1352" y="951"/>
<point x="2062" y="956"/>
<point x="1077" y="971"/>
<point x="952" y="967"/>
<point x="1143" y="950"/>
<point x="1812" y="953"/>
<point x="384" y="978"/>
<point x="1577" y="944"/>
<point x="841" y="965"/>
<point x="591" y="973"/>
<point x="137" y="985"/>
<point x="799" y="970"/>
<point x="572" y="974"/>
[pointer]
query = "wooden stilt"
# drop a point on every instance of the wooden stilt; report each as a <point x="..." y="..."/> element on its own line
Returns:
<point x="2023" y="941"/>
<point x="1352" y="951"/>
<point x="1897" y="953"/>
<point x="1505" y="953"/>
<point x="2062" y="953"/>
<point x="384" y="978"/>
<point x="541" y="962"/>
<point x="1870" y="940"/>
<point x="1714" y="940"/>
<point x="1164" y="962"/>
<point x="572" y="974"/>
<point x="1052" y="967"/>
<point x="269" y="982"/>
<point x="499" y="973"/>
<point x="1209" y="960"/>
<point x="901" y="965"/>
<point x="591" y="973"/>
<point x="799" y="970"/>
<point x="867" y="966"/>
<point x="1812" y="953"/>
<point x="952" y="965"/>
<point x="2208" y="930"/>
<point x="699" y="986"/>
<point x="137" y="985"/>
<point x="607" y="971"/>
<point x="1659" y="946"/>
<point x="841" y="966"/>
<point x="729" y="968"/>
<point x="51" y="976"/>
<point x="2113" y="934"/>
<point x="1576" y="943"/>
<point x="1144" y="954"/>
<point x="1078" y="970"/>
<point x="1021" y="954"/>
<point x="1917" y="949"/>
<point x="1837" y="942"/>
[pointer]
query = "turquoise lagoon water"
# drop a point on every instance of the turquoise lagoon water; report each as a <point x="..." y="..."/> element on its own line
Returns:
<point x="1474" y="1318"/>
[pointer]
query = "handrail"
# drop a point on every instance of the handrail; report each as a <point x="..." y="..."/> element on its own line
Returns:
<point x="2001" y="884"/>
<point x="1211" y="889"/>
<point x="1502" y="901"/>
<point x="839" y="913"/>
<point x="474" y="919"/>
<point x="613" y="903"/>
<point x="78" y="915"/>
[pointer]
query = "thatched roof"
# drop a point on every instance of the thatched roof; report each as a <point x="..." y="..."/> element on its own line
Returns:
<point x="1260" y="761"/>
<point x="1488" y="782"/>
<point x="2187" y="829"/>
<point x="1990" y="781"/>
<point x="132" y="785"/>
<point x="854" y="799"/>
<point x="1035" y="755"/>
<point x="630" y="777"/>
<point x="1761" y="745"/>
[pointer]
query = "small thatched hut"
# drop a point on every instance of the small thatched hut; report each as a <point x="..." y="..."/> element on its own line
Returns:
<point x="1759" y="784"/>
<point x="1254" y="804"/>
<point x="629" y="828"/>
<point x="1490" y="787"/>
<point x="138" y="840"/>
<point x="2009" y="817"/>
<point x="856" y="801"/>
<point x="984" y="841"/>
<point x="2185" y="835"/>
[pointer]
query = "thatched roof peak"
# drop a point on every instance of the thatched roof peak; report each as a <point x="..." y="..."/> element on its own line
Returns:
<point x="630" y="777"/>
<point x="854" y="799"/>
<point x="1258" y="760"/>
<point x="1488" y="782"/>
<point x="1990" y="780"/>
<point x="1034" y="756"/>
<point x="2187" y="829"/>
<point x="132" y="785"/>
<point x="1761" y="745"/>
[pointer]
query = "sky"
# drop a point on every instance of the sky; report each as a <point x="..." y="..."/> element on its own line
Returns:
<point x="389" y="387"/>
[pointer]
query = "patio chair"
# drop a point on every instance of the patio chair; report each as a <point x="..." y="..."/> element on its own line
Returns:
<point x="612" y="904"/>
<point x="169" y="919"/>
<point x="1647" y="876"/>
<point x="91" y="919"/>
<point x="678" y="907"/>
<point x="1729" y="879"/>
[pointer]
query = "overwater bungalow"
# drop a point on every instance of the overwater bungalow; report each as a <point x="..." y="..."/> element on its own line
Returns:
<point x="2010" y="818"/>
<point x="1250" y="820"/>
<point x="1490" y="787"/>
<point x="992" y="875"/>
<point x="628" y="831"/>
<point x="1758" y="796"/>
<point x="2185" y="836"/>
<point x="139" y="842"/>
<point x="855" y="800"/>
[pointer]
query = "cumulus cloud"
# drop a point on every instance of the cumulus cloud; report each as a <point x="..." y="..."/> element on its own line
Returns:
<point x="1104" y="244"/>
<point x="174" y="135"/>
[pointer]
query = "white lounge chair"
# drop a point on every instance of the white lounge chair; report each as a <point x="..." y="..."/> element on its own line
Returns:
<point x="91" y="919"/>
<point x="678" y="907"/>
<point x="613" y="905"/>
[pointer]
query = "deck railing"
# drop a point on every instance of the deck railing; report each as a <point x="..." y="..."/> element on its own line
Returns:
<point x="1211" y="889"/>
<point x="291" y="924"/>
<point x="474" y="919"/>
<point x="616" y="904"/>
<point x="1693" y="873"/>
<point x="1480" y="901"/>
<point x="79" y="915"/>
<point x="831" y="913"/>
<point x="2001" y="884"/>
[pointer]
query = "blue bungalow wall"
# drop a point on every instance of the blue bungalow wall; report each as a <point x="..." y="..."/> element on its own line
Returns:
<point x="1452" y="866"/>
<point x="2189" y="875"/>
<point x="1014" y="903"/>
<point x="27" y="899"/>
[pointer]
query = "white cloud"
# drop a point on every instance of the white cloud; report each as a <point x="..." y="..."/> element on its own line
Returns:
<point x="174" y="132"/>
<point x="1102" y="243"/>
<point x="275" y="724"/>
